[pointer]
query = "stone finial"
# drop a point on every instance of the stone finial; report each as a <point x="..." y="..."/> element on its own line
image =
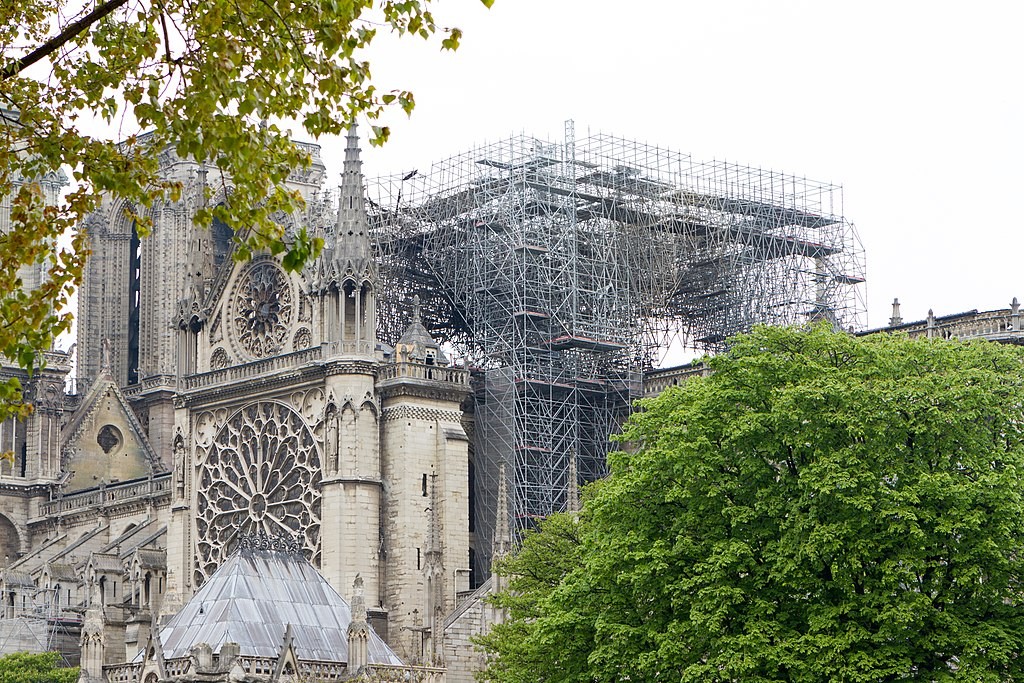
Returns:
<point x="358" y="629"/>
<point x="896" y="319"/>
<point x="930" y="323"/>
<point x="416" y="315"/>
<point x="358" y="601"/>
<point x="1015" y="315"/>
<point x="352" y="242"/>
<point x="502" y="543"/>
<point x="572" y="503"/>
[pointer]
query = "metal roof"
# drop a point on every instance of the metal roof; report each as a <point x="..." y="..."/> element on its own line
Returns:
<point x="252" y="599"/>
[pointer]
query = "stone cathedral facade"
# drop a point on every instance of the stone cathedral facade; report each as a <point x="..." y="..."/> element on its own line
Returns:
<point x="220" y="400"/>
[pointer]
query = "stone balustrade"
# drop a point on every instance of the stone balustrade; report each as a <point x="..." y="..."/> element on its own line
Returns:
<point x="256" y="368"/>
<point x="423" y="371"/>
<point x="122" y="673"/>
<point x="658" y="381"/>
<point x="105" y="495"/>
<point x="177" y="667"/>
<point x="386" y="673"/>
<point x="350" y="348"/>
<point x="150" y="383"/>
<point x="310" y="148"/>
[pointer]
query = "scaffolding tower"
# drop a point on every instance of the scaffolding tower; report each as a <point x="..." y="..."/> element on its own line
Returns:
<point x="562" y="271"/>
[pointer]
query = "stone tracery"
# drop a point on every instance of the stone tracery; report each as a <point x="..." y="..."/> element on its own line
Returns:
<point x="260" y="475"/>
<point x="263" y="309"/>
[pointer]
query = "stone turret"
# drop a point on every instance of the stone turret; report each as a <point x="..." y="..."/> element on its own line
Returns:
<point x="345" y="274"/>
<point x="416" y="345"/>
<point x="896" y="319"/>
<point x="425" y="459"/>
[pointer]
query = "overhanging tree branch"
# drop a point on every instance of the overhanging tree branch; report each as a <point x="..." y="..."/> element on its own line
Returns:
<point x="55" y="43"/>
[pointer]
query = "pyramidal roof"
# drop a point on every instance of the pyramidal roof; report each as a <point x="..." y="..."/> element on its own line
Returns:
<point x="417" y="339"/>
<point x="254" y="597"/>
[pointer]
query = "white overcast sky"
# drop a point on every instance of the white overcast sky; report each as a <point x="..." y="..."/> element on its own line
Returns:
<point x="916" y="108"/>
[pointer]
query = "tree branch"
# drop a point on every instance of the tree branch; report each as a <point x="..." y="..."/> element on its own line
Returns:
<point x="55" y="43"/>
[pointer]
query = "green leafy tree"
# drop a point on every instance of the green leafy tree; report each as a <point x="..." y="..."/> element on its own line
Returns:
<point x="820" y="508"/>
<point x="197" y="76"/>
<point x="44" y="667"/>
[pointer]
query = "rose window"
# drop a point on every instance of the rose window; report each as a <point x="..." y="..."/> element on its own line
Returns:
<point x="263" y="309"/>
<point x="260" y="475"/>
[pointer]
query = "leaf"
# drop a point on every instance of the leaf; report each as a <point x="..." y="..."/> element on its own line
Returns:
<point x="822" y="507"/>
<point x="199" y="84"/>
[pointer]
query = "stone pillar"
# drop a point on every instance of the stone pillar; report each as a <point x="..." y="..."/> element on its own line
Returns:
<point x="358" y="630"/>
<point x="351" y="495"/>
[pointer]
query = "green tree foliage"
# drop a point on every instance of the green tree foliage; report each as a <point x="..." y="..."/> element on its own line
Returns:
<point x="23" y="667"/>
<point x="820" y="508"/>
<point x="198" y="76"/>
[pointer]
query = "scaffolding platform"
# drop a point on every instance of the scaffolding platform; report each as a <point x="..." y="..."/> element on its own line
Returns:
<point x="535" y="316"/>
<point x="535" y="249"/>
<point x="568" y="341"/>
<point x="540" y="386"/>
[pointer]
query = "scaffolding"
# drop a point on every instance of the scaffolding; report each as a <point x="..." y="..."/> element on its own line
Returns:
<point x="562" y="271"/>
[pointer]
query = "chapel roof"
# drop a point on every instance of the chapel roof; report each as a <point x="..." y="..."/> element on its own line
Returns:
<point x="254" y="597"/>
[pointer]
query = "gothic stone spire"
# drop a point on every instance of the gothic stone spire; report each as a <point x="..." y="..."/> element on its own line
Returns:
<point x="502" y="544"/>
<point x="352" y="240"/>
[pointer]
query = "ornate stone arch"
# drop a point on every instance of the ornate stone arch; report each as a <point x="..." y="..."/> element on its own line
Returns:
<point x="370" y="406"/>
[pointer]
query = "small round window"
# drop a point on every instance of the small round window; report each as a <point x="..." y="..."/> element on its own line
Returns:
<point x="109" y="438"/>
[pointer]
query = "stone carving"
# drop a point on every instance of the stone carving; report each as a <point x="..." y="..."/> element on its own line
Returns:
<point x="303" y="339"/>
<point x="331" y="442"/>
<point x="206" y="426"/>
<point x="312" y="405"/>
<point x="282" y="543"/>
<point x="216" y="333"/>
<point x="219" y="360"/>
<point x="179" y="464"/>
<point x="261" y="475"/>
<point x="263" y="309"/>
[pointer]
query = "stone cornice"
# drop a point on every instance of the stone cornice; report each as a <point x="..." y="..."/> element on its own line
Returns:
<point x="350" y="480"/>
<point x="418" y="388"/>
<point x="406" y="411"/>
<point x="26" y="488"/>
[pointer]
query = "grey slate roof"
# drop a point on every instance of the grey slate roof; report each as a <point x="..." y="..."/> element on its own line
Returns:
<point x="417" y="338"/>
<point x="61" y="571"/>
<point x="107" y="562"/>
<point x="251" y="600"/>
<point x="15" y="579"/>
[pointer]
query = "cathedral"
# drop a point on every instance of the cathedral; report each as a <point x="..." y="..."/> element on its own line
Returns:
<point x="237" y="430"/>
<point x="259" y="474"/>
